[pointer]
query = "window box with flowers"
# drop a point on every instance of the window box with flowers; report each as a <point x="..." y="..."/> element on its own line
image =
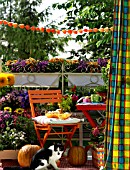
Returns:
<point x="78" y="75"/>
<point x="47" y="73"/>
<point x="36" y="73"/>
<point x="97" y="144"/>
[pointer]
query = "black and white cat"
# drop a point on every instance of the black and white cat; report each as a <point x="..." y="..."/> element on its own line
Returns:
<point x="47" y="156"/>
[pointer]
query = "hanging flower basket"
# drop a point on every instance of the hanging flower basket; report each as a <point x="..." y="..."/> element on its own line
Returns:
<point x="98" y="157"/>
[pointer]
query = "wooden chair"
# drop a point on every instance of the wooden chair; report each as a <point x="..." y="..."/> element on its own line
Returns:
<point x="50" y="96"/>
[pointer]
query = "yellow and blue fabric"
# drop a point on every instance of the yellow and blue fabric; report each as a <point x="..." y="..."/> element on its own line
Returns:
<point x="117" y="139"/>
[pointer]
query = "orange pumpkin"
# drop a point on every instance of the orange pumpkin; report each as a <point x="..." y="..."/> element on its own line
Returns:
<point x="77" y="156"/>
<point x="26" y="153"/>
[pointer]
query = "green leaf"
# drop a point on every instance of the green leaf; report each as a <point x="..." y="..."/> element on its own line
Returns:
<point x="68" y="5"/>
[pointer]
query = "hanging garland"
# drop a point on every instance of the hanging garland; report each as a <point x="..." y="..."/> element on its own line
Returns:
<point x="48" y="30"/>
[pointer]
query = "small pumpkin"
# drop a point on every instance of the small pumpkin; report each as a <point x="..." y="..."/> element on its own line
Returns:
<point x="77" y="156"/>
<point x="26" y="153"/>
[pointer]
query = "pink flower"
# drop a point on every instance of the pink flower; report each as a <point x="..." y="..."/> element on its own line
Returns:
<point x="95" y="131"/>
<point x="74" y="98"/>
<point x="2" y="99"/>
<point x="2" y="125"/>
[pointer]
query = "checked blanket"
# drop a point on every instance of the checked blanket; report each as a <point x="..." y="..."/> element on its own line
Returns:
<point x="117" y="139"/>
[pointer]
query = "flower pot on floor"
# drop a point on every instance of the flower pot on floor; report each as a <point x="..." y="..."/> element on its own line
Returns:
<point x="9" y="154"/>
<point x="98" y="157"/>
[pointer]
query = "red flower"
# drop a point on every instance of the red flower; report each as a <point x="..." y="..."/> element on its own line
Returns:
<point x="73" y="89"/>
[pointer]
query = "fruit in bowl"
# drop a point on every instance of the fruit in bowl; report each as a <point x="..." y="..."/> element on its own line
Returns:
<point x="64" y="116"/>
<point x="52" y="114"/>
<point x="58" y="114"/>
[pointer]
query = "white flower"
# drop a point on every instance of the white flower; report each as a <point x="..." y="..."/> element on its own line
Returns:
<point x="22" y="138"/>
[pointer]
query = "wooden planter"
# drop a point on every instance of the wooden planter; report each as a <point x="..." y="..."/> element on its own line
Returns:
<point x="9" y="154"/>
<point x="98" y="157"/>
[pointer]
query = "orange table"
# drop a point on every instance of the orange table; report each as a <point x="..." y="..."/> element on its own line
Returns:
<point x="86" y="107"/>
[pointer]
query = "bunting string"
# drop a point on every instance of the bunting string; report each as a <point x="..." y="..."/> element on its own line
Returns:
<point x="52" y="30"/>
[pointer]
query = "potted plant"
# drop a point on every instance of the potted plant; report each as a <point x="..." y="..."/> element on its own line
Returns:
<point x="16" y="126"/>
<point x="66" y="103"/>
<point x="97" y="144"/>
<point x="15" y="132"/>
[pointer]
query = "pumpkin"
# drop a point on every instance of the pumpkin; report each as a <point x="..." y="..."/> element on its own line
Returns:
<point x="26" y="153"/>
<point x="77" y="156"/>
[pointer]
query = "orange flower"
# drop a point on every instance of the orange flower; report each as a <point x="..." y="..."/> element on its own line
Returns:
<point x="8" y="63"/>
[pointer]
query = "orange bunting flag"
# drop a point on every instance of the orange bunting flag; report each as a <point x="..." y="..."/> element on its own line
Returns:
<point x="52" y="30"/>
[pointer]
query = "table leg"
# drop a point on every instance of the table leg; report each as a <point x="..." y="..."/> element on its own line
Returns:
<point x="103" y="123"/>
<point x="66" y="130"/>
<point x="70" y="136"/>
<point x="91" y="121"/>
<point x="45" y="137"/>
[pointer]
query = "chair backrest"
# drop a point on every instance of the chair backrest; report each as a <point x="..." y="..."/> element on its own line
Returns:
<point x="42" y="97"/>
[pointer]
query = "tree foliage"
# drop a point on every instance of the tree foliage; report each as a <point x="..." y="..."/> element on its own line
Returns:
<point x="21" y="43"/>
<point x="92" y="14"/>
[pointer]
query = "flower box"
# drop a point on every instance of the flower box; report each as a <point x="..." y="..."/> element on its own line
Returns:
<point x="9" y="154"/>
<point x="85" y="79"/>
<point x="98" y="157"/>
<point x="37" y="79"/>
